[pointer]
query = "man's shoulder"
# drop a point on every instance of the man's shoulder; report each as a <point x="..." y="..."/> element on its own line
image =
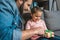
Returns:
<point x="7" y="3"/>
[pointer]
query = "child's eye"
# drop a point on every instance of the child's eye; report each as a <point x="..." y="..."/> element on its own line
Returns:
<point x="28" y="4"/>
<point x="38" y="16"/>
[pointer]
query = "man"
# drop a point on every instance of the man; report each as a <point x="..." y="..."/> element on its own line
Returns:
<point x="10" y="21"/>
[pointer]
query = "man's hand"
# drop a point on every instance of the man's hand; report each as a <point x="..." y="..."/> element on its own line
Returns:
<point x="39" y="31"/>
<point x="30" y="32"/>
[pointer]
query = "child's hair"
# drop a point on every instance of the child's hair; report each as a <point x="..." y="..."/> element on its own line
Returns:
<point x="35" y="9"/>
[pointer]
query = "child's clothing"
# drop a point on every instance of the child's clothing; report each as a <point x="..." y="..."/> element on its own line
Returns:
<point x="31" y="24"/>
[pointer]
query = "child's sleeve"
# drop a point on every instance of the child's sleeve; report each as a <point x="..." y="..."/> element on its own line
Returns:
<point x="44" y="25"/>
<point x="28" y="25"/>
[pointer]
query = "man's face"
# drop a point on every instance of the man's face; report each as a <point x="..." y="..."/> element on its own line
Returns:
<point x="26" y="6"/>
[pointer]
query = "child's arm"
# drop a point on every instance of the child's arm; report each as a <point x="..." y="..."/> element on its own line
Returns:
<point x="28" y="25"/>
<point x="44" y="25"/>
<point x="49" y="34"/>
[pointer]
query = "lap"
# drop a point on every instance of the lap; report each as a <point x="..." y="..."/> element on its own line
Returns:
<point x="43" y="38"/>
<point x="54" y="38"/>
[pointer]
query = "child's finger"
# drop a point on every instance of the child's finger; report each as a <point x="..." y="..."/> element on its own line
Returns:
<point x="52" y="33"/>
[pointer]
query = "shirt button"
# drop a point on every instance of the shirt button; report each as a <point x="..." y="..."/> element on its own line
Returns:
<point x="15" y="23"/>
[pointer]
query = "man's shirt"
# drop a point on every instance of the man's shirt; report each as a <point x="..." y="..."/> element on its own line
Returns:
<point x="9" y="20"/>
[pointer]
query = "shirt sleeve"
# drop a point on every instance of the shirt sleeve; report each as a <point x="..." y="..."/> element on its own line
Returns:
<point x="6" y="17"/>
<point x="17" y="34"/>
<point x="28" y="25"/>
<point x="44" y="25"/>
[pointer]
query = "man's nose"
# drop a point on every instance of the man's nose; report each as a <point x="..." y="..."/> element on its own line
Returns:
<point x="27" y="9"/>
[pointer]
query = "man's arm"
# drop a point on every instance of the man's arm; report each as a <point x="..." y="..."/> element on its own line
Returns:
<point x="28" y="33"/>
<point x="6" y="18"/>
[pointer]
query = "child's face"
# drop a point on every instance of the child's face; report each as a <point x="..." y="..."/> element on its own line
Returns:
<point x="36" y="16"/>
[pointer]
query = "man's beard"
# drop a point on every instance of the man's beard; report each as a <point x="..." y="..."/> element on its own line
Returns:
<point x="25" y="14"/>
<point x="23" y="11"/>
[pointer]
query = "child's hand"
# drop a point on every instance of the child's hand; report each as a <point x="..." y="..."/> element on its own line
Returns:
<point x="39" y="31"/>
<point x="34" y="37"/>
<point x="52" y="34"/>
<point x="49" y="34"/>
